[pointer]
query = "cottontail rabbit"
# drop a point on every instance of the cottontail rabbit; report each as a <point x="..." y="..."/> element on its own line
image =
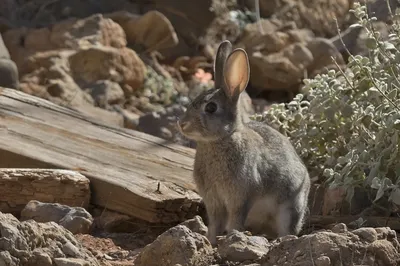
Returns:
<point x="248" y="174"/>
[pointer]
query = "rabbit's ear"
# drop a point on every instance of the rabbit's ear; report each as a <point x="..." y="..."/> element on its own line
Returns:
<point x="223" y="52"/>
<point x="236" y="73"/>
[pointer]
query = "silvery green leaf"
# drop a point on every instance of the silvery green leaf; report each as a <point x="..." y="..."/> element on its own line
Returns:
<point x="347" y="111"/>
<point x="389" y="46"/>
<point x="396" y="124"/>
<point x="343" y="160"/>
<point x="376" y="183"/>
<point x="395" y="196"/>
<point x="380" y="193"/>
<point x="349" y="194"/>
<point x="328" y="172"/>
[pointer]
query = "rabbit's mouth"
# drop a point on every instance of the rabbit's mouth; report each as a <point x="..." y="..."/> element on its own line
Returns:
<point x="187" y="130"/>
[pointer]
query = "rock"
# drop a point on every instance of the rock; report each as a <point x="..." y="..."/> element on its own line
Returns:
<point x="323" y="261"/>
<point x="339" y="228"/>
<point x="276" y="37"/>
<point x="19" y="186"/>
<point x="7" y="260"/>
<point x="9" y="74"/>
<point x="342" y="248"/>
<point x="110" y="221"/>
<point x="95" y="63"/>
<point x="281" y="70"/>
<point x="366" y="233"/>
<point x="317" y="15"/>
<point x="323" y="51"/>
<point x="195" y="21"/>
<point x="152" y="30"/>
<point x="197" y="225"/>
<point x="153" y="123"/>
<point x="70" y="262"/>
<point x="239" y="247"/>
<point x="68" y="34"/>
<point x="385" y="253"/>
<point x="47" y="75"/>
<point x="106" y="92"/>
<point x="4" y="54"/>
<point x="32" y="243"/>
<point x="178" y="245"/>
<point x="282" y="53"/>
<point x="360" y="47"/>
<point x="75" y="219"/>
<point x="91" y="31"/>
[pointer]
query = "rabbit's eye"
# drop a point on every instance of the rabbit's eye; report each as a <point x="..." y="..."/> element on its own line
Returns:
<point x="211" y="107"/>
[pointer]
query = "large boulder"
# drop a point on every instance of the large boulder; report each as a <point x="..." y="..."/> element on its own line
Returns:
<point x="177" y="246"/>
<point x="8" y="69"/>
<point x="44" y="244"/>
<point x="100" y="62"/>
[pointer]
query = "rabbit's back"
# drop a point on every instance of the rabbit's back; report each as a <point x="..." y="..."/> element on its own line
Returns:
<point x="281" y="168"/>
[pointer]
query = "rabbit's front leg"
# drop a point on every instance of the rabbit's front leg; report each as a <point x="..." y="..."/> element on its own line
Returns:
<point x="237" y="213"/>
<point x="217" y="216"/>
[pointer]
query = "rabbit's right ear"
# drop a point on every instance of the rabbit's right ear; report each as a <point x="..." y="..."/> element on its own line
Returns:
<point x="223" y="52"/>
<point x="236" y="73"/>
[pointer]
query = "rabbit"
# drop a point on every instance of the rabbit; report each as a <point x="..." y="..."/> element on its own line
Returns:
<point x="248" y="174"/>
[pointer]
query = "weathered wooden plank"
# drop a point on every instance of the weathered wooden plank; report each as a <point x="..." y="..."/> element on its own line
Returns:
<point x="19" y="186"/>
<point x="130" y="172"/>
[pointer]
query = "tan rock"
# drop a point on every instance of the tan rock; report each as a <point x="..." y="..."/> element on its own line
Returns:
<point x="119" y="65"/>
<point x="68" y="34"/>
<point x="178" y="245"/>
<point x="90" y="31"/>
<point x="317" y="15"/>
<point x="274" y="38"/>
<point x="152" y="30"/>
<point x="189" y="19"/>
<point x="341" y="248"/>
<point x="19" y="186"/>
<point x="280" y="70"/>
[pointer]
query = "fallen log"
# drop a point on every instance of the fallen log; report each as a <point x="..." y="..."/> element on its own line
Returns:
<point x="129" y="172"/>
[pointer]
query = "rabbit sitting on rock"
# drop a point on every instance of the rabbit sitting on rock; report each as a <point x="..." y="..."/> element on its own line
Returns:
<point x="248" y="174"/>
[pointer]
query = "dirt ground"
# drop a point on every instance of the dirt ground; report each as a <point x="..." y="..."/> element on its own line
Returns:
<point x="116" y="239"/>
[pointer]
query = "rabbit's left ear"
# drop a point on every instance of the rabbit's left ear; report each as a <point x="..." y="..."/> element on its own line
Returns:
<point x="236" y="73"/>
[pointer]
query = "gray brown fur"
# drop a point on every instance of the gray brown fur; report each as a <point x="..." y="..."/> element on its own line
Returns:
<point x="248" y="174"/>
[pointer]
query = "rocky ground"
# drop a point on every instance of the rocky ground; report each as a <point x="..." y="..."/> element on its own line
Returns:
<point x="49" y="242"/>
<point x="135" y="64"/>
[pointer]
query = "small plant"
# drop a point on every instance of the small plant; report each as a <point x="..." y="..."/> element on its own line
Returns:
<point x="159" y="91"/>
<point x="346" y="124"/>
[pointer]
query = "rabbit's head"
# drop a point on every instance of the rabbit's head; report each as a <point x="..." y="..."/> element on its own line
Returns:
<point x="214" y="114"/>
